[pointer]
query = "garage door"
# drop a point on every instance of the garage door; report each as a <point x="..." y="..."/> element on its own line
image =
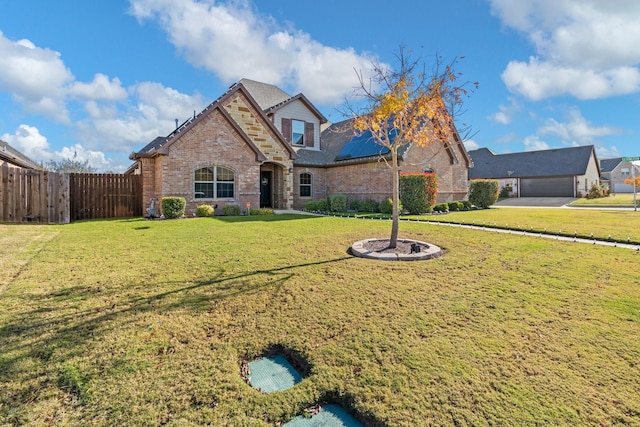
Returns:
<point x="622" y="188"/>
<point x="546" y="187"/>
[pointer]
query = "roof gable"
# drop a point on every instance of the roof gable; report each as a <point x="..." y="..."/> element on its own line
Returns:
<point x="161" y="145"/>
<point x="608" y="165"/>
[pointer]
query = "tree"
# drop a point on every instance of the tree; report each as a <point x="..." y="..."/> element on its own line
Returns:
<point x="407" y="106"/>
<point x="630" y="181"/>
<point x="70" y="165"/>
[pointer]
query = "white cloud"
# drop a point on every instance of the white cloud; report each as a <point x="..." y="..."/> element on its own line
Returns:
<point x="101" y="88"/>
<point x="36" y="77"/>
<point x="470" y="144"/>
<point x="150" y="111"/>
<point x="30" y="142"/>
<point x="538" y="80"/>
<point x="576" y="130"/>
<point x="533" y="143"/>
<point x="584" y="48"/>
<point x="234" y="41"/>
<point x="96" y="159"/>
<point x="505" y="113"/>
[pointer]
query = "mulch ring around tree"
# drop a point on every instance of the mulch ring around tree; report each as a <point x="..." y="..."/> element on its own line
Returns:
<point x="405" y="250"/>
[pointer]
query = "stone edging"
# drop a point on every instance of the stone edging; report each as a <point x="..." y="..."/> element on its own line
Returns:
<point x="428" y="251"/>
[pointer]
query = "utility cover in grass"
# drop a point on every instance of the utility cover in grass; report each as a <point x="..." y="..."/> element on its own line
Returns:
<point x="273" y="373"/>
<point x="331" y="415"/>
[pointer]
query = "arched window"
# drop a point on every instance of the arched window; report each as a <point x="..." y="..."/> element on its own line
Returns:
<point x="216" y="182"/>
<point x="305" y="185"/>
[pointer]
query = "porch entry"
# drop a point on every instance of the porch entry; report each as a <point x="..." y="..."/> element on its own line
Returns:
<point x="266" y="190"/>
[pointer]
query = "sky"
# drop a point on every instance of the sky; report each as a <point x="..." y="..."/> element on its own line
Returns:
<point x="97" y="80"/>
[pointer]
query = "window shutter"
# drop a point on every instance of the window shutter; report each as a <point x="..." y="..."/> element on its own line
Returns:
<point x="308" y="134"/>
<point x="286" y="129"/>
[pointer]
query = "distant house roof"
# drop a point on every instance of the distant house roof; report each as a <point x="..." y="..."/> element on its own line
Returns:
<point x="556" y="162"/>
<point x="608" y="165"/>
<point x="14" y="157"/>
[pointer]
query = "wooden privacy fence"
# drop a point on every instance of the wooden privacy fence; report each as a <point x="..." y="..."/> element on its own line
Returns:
<point x="95" y="196"/>
<point x="50" y="197"/>
<point x="30" y="195"/>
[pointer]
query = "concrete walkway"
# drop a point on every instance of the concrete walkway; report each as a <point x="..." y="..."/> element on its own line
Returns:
<point x="594" y="241"/>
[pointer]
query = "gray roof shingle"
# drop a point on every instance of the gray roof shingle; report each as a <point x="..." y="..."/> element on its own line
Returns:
<point x="608" y="165"/>
<point x="531" y="164"/>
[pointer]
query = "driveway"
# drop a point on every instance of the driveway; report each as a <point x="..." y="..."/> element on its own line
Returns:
<point x="537" y="202"/>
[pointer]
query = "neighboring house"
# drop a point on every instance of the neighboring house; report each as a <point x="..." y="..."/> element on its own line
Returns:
<point x="615" y="171"/>
<point x="560" y="172"/>
<point x="258" y="145"/>
<point x="12" y="157"/>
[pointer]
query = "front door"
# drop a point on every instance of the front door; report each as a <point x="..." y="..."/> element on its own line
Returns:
<point x="265" y="189"/>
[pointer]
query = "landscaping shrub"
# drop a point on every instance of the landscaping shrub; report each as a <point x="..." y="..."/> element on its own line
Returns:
<point x="173" y="207"/>
<point x="338" y="203"/>
<point x="455" y="206"/>
<point x="441" y="207"/>
<point x="484" y="192"/>
<point x="355" y="204"/>
<point x="316" y="205"/>
<point x="232" y="210"/>
<point x="596" y="192"/>
<point x="386" y="206"/>
<point x="204" y="210"/>
<point x="418" y="192"/>
<point x="369" y="205"/>
<point x="261" y="211"/>
<point x="504" y="193"/>
<point x="466" y="205"/>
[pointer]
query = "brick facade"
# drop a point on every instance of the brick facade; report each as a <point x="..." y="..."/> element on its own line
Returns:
<point x="234" y="133"/>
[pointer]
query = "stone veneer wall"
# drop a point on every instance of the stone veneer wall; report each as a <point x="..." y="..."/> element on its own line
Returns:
<point x="268" y="143"/>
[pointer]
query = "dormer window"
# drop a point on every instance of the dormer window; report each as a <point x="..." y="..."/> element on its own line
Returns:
<point x="297" y="132"/>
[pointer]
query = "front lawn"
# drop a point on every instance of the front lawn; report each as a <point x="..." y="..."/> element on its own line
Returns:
<point x="603" y="224"/>
<point x="615" y="200"/>
<point x="135" y="322"/>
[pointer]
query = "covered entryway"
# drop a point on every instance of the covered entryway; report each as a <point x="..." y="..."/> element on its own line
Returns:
<point x="547" y="187"/>
<point x="276" y="183"/>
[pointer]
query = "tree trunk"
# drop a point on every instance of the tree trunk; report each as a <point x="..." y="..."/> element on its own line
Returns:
<point x="395" y="215"/>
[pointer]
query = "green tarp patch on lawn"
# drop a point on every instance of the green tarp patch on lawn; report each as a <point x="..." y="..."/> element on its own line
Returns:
<point x="273" y="373"/>
<point x="329" y="416"/>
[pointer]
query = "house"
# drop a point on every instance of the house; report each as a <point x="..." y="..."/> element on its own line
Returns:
<point x="12" y="157"/>
<point x="559" y="172"/>
<point x="615" y="172"/>
<point x="258" y="146"/>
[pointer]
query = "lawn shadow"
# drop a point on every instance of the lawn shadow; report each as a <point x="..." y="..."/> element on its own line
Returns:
<point x="56" y="325"/>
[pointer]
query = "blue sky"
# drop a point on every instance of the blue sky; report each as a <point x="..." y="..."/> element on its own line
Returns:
<point x="99" y="79"/>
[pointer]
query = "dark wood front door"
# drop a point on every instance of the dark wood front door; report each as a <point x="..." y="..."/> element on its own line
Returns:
<point x="265" y="189"/>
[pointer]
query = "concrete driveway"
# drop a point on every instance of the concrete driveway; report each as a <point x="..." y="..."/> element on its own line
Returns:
<point x="537" y="202"/>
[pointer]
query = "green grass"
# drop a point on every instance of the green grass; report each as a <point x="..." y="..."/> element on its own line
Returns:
<point x="136" y="322"/>
<point x="619" y="224"/>
<point x="617" y="200"/>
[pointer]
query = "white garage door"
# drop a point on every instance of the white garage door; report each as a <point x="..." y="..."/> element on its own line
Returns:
<point x="619" y="187"/>
<point x="546" y="187"/>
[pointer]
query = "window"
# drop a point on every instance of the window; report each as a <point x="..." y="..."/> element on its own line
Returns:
<point x="305" y="185"/>
<point x="625" y="171"/>
<point x="297" y="132"/>
<point x="214" y="183"/>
